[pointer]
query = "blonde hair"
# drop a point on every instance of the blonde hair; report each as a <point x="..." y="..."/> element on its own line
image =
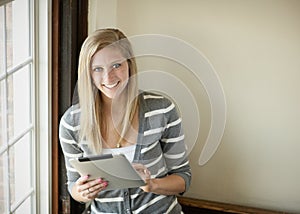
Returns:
<point x="91" y="118"/>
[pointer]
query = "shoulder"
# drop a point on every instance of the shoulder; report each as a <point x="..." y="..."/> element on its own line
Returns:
<point x="71" y="117"/>
<point x="154" y="105"/>
<point x="154" y="100"/>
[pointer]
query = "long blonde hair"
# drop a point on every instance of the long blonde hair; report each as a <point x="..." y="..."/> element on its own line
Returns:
<point x="91" y="118"/>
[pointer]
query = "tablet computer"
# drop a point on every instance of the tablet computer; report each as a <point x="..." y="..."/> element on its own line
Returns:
<point x="116" y="169"/>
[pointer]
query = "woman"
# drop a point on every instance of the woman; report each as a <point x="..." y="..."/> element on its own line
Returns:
<point x="113" y="116"/>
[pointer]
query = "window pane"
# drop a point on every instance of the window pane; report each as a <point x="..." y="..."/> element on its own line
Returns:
<point x="18" y="32"/>
<point x="20" y="168"/>
<point x="3" y="180"/>
<point x="17" y="159"/>
<point x="1" y="40"/>
<point x="2" y="114"/>
<point x="19" y="100"/>
<point x="25" y="207"/>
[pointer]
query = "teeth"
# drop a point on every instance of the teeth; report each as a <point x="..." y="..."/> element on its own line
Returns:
<point x="112" y="85"/>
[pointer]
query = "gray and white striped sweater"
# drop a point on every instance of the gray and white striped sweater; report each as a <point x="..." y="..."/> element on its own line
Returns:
<point x="160" y="147"/>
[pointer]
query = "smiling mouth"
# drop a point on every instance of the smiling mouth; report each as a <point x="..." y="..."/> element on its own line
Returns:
<point x="110" y="86"/>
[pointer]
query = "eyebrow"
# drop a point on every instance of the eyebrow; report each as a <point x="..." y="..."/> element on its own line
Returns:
<point x="113" y="62"/>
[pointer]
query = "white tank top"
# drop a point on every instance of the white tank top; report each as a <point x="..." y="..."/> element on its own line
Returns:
<point x="128" y="151"/>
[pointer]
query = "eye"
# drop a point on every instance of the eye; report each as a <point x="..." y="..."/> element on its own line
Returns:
<point x="117" y="65"/>
<point x="97" y="69"/>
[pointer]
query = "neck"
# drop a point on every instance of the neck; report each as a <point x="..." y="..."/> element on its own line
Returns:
<point x="114" y="105"/>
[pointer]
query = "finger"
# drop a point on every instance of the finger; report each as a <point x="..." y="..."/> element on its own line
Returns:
<point x="99" y="187"/>
<point x="147" y="174"/>
<point x="138" y="166"/>
<point x="87" y="192"/>
<point x="92" y="192"/>
<point x="91" y="186"/>
<point x="82" y="184"/>
<point x="82" y="179"/>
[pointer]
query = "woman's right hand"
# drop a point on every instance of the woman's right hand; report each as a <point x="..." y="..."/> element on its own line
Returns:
<point x="85" y="190"/>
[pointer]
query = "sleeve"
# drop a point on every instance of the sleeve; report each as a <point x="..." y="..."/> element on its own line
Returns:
<point x="68" y="136"/>
<point x="174" y="147"/>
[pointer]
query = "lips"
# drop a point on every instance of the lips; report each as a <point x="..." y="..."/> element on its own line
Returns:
<point x="110" y="86"/>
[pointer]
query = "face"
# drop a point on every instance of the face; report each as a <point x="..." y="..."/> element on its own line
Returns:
<point x="110" y="72"/>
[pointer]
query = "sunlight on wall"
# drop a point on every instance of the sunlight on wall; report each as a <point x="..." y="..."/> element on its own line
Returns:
<point x="254" y="47"/>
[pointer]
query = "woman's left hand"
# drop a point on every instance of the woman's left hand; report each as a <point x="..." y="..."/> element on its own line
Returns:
<point x="168" y="185"/>
<point x="145" y="175"/>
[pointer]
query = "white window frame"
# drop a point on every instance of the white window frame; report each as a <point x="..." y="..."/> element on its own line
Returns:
<point x="43" y="50"/>
<point x="41" y="23"/>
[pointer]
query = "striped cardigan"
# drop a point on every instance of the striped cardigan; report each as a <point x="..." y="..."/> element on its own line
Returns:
<point x="160" y="147"/>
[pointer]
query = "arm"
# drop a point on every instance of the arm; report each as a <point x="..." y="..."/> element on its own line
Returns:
<point x="174" y="155"/>
<point x="169" y="185"/>
<point x="80" y="188"/>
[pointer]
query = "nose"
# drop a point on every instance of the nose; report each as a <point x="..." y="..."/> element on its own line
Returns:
<point x="108" y="72"/>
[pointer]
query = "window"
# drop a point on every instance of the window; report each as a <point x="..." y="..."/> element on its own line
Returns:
<point x="20" y="108"/>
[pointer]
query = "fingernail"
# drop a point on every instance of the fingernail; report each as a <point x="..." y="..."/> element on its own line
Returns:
<point x="86" y="176"/>
<point x="105" y="183"/>
<point x="99" y="180"/>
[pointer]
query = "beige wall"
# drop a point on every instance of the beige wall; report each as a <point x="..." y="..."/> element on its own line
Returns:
<point x="254" y="46"/>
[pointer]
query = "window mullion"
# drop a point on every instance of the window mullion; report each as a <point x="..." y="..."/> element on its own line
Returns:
<point x="19" y="66"/>
<point x="34" y="176"/>
<point x="5" y="116"/>
<point x="20" y="202"/>
<point x="22" y="134"/>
